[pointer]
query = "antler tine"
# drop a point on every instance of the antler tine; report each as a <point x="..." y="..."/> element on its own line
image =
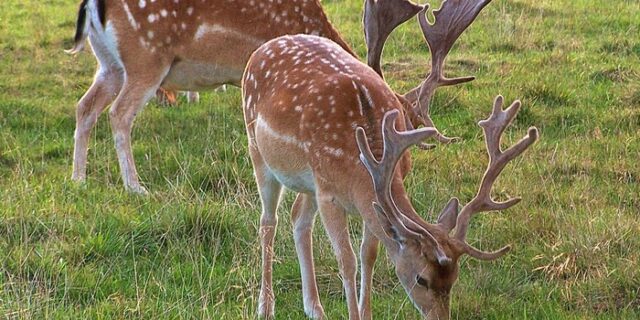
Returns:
<point x="380" y="18"/>
<point x="415" y="118"/>
<point x="451" y="20"/>
<point x="493" y="128"/>
<point x="394" y="145"/>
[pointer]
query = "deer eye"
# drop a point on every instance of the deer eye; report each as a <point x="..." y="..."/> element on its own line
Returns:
<point x="422" y="281"/>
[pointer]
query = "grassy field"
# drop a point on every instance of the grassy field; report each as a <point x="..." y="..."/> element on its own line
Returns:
<point x="190" y="249"/>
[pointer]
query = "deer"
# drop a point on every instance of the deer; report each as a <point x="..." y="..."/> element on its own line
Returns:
<point x="188" y="45"/>
<point x="325" y="126"/>
<point x="304" y="142"/>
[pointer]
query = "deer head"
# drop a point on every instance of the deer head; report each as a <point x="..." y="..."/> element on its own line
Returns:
<point x="427" y="259"/>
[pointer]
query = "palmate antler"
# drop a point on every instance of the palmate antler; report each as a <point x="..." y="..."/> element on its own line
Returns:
<point x="493" y="128"/>
<point x="451" y="20"/>
<point x="380" y="18"/>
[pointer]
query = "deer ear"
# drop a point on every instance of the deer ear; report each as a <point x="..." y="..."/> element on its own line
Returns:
<point x="448" y="216"/>
<point x="386" y="224"/>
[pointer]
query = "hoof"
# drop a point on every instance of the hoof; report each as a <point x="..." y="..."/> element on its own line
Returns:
<point x="79" y="178"/>
<point x="138" y="190"/>
<point x="316" y="312"/>
<point x="266" y="307"/>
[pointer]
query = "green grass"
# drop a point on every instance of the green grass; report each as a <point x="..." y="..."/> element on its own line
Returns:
<point x="190" y="250"/>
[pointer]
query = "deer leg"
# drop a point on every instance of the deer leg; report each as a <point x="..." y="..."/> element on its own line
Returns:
<point x="335" y="222"/>
<point x="269" y="190"/>
<point x="269" y="194"/>
<point x="368" y="256"/>
<point x="138" y="88"/>
<point x="102" y="92"/>
<point x="303" y="216"/>
<point x="193" y="96"/>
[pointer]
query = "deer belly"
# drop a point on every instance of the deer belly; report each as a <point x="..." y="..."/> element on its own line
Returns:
<point x="301" y="181"/>
<point x="198" y="76"/>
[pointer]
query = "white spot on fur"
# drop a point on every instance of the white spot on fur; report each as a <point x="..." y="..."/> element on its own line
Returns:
<point x="205" y="29"/>
<point x="336" y="152"/>
<point x="261" y="123"/>
<point x="132" y="20"/>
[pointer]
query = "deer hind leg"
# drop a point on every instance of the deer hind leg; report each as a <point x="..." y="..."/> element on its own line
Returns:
<point x="102" y="92"/>
<point x="139" y="87"/>
<point x="368" y="256"/>
<point x="335" y="222"/>
<point x="302" y="217"/>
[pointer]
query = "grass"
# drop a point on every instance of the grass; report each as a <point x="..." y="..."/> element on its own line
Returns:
<point x="190" y="250"/>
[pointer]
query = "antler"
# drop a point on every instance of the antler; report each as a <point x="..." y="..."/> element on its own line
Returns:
<point x="493" y="128"/>
<point x="394" y="145"/>
<point x="381" y="17"/>
<point x="451" y="20"/>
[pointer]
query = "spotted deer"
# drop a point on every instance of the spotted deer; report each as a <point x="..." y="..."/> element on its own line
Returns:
<point x="323" y="124"/>
<point x="193" y="45"/>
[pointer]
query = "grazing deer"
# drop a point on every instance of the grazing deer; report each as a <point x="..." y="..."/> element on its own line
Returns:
<point x="305" y="98"/>
<point x="142" y="45"/>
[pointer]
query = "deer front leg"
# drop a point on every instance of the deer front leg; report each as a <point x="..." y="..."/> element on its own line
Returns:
<point x="335" y="222"/>
<point x="103" y="91"/>
<point x="303" y="216"/>
<point x="269" y="190"/>
<point x="368" y="256"/>
<point x="138" y="88"/>
<point x="194" y="96"/>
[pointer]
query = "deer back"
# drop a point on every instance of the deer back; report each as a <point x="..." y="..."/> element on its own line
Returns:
<point x="197" y="38"/>
<point x="304" y="96"/>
